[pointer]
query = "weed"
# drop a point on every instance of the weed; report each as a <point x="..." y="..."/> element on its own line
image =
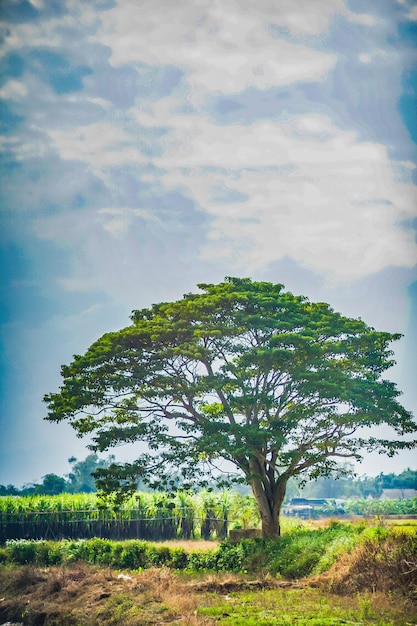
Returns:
<point x="365" y="606"/>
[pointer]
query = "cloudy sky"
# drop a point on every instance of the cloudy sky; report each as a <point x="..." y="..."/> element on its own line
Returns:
<point x="148" y="145"/>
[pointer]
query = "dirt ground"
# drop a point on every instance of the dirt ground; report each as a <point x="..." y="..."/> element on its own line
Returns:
<point x="83" y="594"/>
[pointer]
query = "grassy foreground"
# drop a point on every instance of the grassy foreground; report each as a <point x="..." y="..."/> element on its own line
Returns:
<point x="340" y="574"/>
<point x="86" y="595"/>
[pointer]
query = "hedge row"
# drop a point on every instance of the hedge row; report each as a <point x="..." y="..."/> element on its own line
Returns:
<point x="296" y="554"/>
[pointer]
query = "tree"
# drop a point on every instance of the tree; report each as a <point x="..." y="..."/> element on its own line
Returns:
<point x="241" y="372"/>
<point x="406" y="480"/>
<point x="51" y="485"/>
<point x="81" y="477"/>
<point x="10" y="490"/>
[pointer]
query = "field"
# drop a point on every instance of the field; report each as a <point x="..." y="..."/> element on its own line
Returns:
<point x="330" y="575"/>
<point x="71" y="561"/>
<point x="155" y="516"/>
<point x="152" y="516"/>
<point x="88" y="595"/>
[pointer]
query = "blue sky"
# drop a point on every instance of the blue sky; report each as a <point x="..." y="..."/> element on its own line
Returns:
<point x="148" y="146"/>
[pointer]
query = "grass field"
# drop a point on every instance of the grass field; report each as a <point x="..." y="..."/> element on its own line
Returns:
<point x="156" y="516"/>
<point x="85" y="595"/>
<point x="334" y="575"/>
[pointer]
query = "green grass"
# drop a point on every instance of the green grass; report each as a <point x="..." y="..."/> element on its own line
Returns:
<point x="300" y="552"/>
<point x="77" y="583"/>
<point x="305" y="607"/>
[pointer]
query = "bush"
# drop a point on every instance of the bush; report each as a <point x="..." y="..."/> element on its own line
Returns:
<point x="22" y="552"/>
<point x="178" y="559"/>
<point x="299" y="552"/>
<point x="296" y="554"/>
<point x="386" y="564"/>
<point x="132" y="556"/>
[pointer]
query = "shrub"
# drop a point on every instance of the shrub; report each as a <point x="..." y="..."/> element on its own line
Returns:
<point x="297" y="553"/>
<point x="22" y="552"/>
<point x="386" y="564"/>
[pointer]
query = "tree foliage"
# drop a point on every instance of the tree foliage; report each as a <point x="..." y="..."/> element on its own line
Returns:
<point x="242" y="374"/>
<point x="81" y="477"/>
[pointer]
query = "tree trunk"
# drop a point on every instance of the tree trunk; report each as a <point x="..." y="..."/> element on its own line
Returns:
<point x="269" y="506"/>
<point x="270" y="526"/>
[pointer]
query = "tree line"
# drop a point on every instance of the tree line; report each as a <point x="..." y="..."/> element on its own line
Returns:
<point x="79" y="480"/>
<point x="355" y="487"/>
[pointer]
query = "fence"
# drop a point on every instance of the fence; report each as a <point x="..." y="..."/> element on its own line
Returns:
<point x="85" y="524"/>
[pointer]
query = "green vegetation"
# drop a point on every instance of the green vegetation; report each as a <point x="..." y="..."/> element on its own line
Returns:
<point x="157" y="516"/>
<point x="370" y="508"/>
<point x="366" y="508"/>
<point x="344" y="573"/>
<point x="354" y="487"/>
<point x="146" y="515"/>
<point x="299" y="553"/>
<point x="81" y="480"/>
<point x="302" y="607"/>
<point x="243" y="371"/>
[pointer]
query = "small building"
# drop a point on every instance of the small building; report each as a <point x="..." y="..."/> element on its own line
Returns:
<point x="309" y="502"/>
<point x="398" y="494"/>
<point x="309" y="507"/>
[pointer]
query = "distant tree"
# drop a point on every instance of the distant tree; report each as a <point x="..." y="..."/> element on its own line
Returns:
<point x="369" y="486"/>
<point x="241" y="372"/>
<point x="406" y="480"/>
<point x="51" y="485"/>
<point x="81" y="478"/>
<point x="346" y="487"/>
<point x="324" y="488"/>
<point x="10" y="490"/>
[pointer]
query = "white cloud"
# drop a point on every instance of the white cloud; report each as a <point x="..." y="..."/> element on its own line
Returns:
<point x="117" y="221"/>
<point x="16" y="36"/>
<point x="224" y="47"/>
<point x="309" y="190"/>
<point x="8" y="142"/>
<point x="361" y="18"/>
<point x="306" y="18"/>
<point x="48" y="33"/>
<point x="408" y="164"/>
<point x="13" y="90"/>
<point x="101" y="145"/>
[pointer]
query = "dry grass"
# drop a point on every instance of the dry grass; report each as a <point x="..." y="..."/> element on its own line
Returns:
<point x="87" y="595"/>
<point x="83" y="595"/>
<point x="189" y="545"/>
<point x="375" y="583"/>
<point x="387" y="567"/>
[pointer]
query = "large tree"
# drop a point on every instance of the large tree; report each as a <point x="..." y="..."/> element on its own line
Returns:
<point x="241" y="375"/>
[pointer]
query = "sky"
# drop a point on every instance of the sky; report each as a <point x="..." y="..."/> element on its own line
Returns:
<point x="147" y="146"/>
